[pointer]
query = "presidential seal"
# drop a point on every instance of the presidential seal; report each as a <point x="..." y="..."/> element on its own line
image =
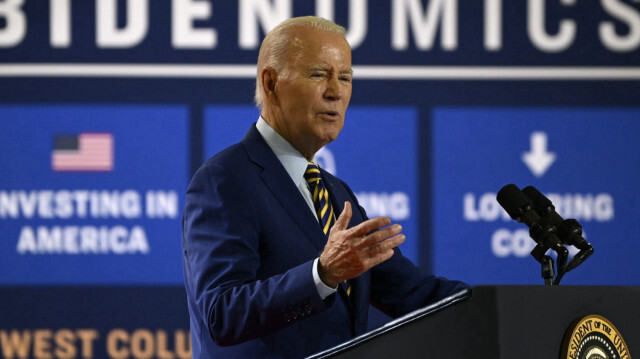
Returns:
<point x="593" y="337"/>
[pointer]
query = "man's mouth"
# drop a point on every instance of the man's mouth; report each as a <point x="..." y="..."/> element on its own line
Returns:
<point x="332" y="114"/>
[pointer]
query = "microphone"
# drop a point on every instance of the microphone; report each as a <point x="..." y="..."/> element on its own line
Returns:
<point x="542" y="230"/>
<point x="520" y="208"/>
<point x="568" y="230"/>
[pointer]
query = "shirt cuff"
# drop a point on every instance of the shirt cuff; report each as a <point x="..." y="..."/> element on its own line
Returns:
<point x="323" y="290"/>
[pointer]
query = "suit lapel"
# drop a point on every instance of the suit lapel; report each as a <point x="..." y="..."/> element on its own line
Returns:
<point x="277" y="180"/>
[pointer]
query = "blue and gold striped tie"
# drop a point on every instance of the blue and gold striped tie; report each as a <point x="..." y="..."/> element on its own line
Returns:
<point x="320" y="196"/>
<point x="322" y="204"/>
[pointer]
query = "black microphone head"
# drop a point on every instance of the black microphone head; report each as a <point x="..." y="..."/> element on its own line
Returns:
<point x="579" y="258"/>
<point x="571" y="230"/>
<point x="540" y="202"/>
<point x="514" y="201"/>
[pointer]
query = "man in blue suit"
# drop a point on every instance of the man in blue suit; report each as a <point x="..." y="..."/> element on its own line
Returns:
<point x="263" y="279"/>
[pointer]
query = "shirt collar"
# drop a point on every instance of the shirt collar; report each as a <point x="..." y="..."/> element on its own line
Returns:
<point x="293" y="161"/>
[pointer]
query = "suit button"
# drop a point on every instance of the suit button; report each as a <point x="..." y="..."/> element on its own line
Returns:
<point x="307" y="309"/>
<point x="286" y="318"/>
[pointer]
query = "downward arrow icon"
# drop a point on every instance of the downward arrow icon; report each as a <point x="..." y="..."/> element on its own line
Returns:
<point x="538" y="159"/>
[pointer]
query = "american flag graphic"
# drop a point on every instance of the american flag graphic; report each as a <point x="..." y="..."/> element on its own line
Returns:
<point x="83" y="152"/>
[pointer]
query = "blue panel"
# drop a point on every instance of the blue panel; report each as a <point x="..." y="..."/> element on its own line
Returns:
<point x="376" y="154"/>
<point x="592" y="178"/>
<point x="226" y="125"/>
<point x="114" y="226"/>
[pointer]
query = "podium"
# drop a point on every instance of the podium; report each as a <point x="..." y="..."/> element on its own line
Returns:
<point x="498" y="322"/>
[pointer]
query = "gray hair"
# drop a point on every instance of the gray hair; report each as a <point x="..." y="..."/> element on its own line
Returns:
<point x="275" y="45"/>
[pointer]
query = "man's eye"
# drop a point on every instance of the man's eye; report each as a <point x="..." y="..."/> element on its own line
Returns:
<point x="317" y="75"/>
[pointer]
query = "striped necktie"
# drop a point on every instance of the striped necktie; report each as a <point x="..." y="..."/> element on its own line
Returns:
<point x="320" y="196"/>
<point x="321" y="202"/>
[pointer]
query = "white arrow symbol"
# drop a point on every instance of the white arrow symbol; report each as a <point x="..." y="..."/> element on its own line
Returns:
<point x="538" y="159"/>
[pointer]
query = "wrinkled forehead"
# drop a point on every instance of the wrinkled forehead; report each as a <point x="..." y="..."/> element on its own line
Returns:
<point x="310" y="44"/>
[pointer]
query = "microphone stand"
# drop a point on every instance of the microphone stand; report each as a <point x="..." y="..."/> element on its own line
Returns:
<point x="568" y="231"/>
<point x="571" y="231"/>
<point x="548" y="271"/>
<point x="541" y="229"/>
<point x="543" y="232"/>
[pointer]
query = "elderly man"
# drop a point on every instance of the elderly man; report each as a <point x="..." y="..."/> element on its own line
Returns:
<point x="280" y="261"/>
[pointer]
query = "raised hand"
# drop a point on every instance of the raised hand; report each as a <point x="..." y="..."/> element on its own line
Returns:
<point x="351" y="252"/>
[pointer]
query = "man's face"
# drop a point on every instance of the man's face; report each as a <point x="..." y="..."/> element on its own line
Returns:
<point x="314" y="90"/>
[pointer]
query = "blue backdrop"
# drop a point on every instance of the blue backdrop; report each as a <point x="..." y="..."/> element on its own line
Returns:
<point x="452" y="100"/>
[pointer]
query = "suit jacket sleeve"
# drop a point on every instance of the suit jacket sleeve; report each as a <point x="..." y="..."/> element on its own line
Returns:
<point x="230" y="289"/>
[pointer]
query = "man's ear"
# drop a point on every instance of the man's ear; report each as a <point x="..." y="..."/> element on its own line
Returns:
<point x="269" y="81"/>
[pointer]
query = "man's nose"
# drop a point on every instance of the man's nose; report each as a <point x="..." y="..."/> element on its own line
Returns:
<point x="335" y="89"/>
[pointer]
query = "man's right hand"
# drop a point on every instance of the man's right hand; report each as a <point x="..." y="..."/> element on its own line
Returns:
<point x="351" y="252"/>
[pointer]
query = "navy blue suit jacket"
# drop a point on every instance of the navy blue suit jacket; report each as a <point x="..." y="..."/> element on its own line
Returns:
<point x="249" y="242"/>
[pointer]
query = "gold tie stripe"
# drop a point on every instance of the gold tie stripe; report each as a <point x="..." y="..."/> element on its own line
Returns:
<point x="320" y="196"/>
